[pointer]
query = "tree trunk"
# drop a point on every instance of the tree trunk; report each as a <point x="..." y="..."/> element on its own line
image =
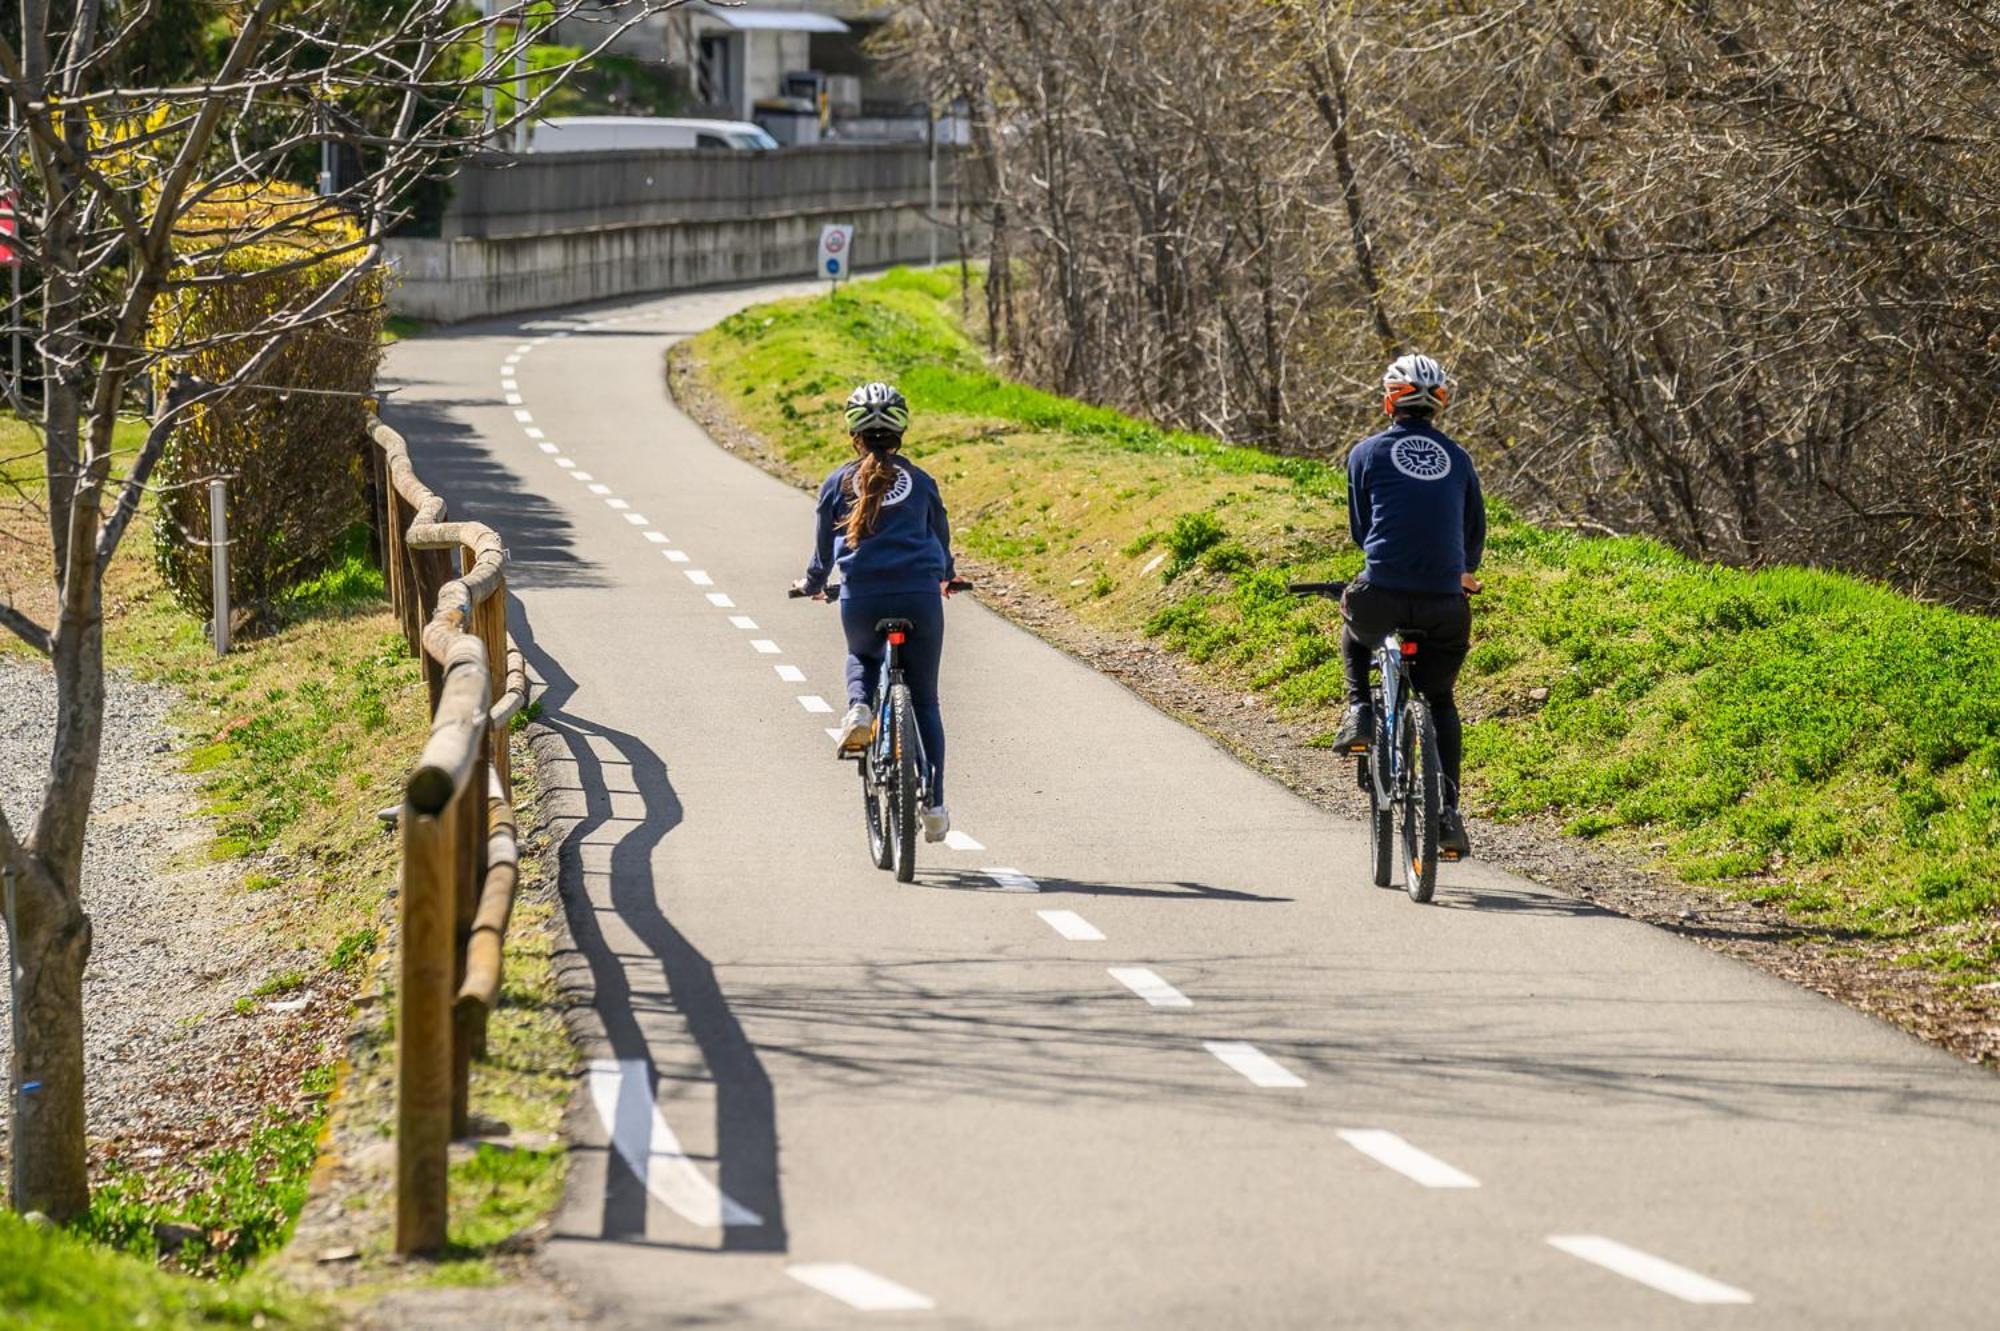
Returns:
<point x="48" y="937"/>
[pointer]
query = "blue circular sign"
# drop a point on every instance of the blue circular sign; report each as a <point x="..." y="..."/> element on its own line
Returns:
<point x="833" y="266"/>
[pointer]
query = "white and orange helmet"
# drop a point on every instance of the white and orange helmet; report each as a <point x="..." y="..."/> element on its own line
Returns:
<point x="1414" y="380"/>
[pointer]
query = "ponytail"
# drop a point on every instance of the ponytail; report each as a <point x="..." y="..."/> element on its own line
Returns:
<point x="871" y="480"/>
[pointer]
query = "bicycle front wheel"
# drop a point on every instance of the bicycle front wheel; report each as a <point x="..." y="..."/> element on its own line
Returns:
<point x="902" y="783"/>
<point x="1423" y="796"/>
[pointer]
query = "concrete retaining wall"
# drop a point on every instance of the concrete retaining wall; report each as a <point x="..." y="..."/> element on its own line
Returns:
<point x="453" y="280"/>
<point x="560" y="229"/>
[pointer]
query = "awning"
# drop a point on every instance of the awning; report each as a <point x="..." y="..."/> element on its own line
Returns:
<point x="776" y="20"/>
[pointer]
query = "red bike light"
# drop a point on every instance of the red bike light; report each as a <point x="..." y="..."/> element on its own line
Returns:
<point x="898" y="638"/>
<point x="1409" y="649"/>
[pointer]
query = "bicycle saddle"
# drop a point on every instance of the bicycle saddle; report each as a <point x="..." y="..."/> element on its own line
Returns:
<point x="892" y="625"/>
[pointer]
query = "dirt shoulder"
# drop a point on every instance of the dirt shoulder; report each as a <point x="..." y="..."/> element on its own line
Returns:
<point x="1862" y="973"/>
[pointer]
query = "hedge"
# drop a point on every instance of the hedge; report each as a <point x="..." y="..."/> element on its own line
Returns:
<point x="290" y="443"/>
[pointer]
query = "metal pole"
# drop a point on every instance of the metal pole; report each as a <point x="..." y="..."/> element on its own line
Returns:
<point x="931" y="114"/>
<point x="521" y="82"/>
<point x="487" y="48"/>
<point x="218" y="562"/>
<point x="326" y="164"/>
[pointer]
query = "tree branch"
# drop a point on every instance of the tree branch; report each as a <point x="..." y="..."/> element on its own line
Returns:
<point x="27" y="630"/>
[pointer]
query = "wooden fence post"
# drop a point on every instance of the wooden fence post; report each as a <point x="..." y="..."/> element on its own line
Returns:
<point x="469" y="854"/>
<point x="424" y="1029"/>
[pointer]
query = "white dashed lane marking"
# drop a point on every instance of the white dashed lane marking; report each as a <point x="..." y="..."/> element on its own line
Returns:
<point x="765" y="647"/>
<point x="657" y="537"/>
<point x="548" y="447"/>
<point x="1386" y="1148"/>
<point x="859" y="1289"/>
<point x="739" y="621"/>
<point x="1011" y="880"/>
<point x="533" y="433"/>
<point x="791" y="674"/>
<point x="1150" y="987"/>
<point x="721" y="601"/>
<point x="636" y="519"/>
<point x="580" y="475"/>
<point x="812" y="702"/>
<point x="514" y="400"/>
<point x="600" y="488"/>
<point x="1071" y="926"/>
<point x="677" y="556"/>
<point x="523" y="416"/>
<point x="957" y="840"/>
<point x="1656" y="1272"/>
<point x="699" y="577"/>
<point x="1253" y="1063"/>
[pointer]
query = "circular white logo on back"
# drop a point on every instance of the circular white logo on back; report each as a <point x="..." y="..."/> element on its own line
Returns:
<point x="900" y="489"/>
<point x="1420" y="458"/>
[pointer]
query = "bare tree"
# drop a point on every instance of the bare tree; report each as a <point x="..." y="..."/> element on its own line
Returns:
<point x="1726" y="271"/>
<point x="110" y="176"/>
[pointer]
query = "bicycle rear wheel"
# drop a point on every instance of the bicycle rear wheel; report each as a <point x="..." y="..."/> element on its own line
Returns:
<point x="1422" y="798"/>
<point x="902" y="781"/>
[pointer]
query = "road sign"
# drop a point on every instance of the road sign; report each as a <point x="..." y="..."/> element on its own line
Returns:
<point x="836" y="244"/>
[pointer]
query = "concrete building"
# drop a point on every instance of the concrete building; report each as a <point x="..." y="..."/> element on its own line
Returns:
<point x="730" y="58"/>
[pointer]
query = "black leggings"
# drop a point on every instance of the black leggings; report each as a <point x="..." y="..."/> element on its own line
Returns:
<point x="921" y="656"/>
<point x="1371" y="614"/>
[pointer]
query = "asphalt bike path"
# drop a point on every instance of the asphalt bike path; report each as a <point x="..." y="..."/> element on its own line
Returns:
<point x="1142" y="1047"/>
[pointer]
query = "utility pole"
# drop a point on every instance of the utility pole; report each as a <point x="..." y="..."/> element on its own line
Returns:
<point x="488" y="51"/>
<point x="930" y="119"/>
<point x="521" y="82"/>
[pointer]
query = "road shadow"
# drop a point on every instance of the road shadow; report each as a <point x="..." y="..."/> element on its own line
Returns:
<point x="746" y="1128"/>
<point x="456" y="461"/>
<point x="970" y="880"/>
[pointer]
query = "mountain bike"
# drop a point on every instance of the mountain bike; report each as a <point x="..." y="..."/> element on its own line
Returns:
<point x="1399" y="770"/>
<point x="895" y="772"/>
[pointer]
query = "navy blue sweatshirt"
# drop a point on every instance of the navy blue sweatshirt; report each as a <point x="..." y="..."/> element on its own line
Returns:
<point x="909" y="550"/>
<point x="1414" y="506"/>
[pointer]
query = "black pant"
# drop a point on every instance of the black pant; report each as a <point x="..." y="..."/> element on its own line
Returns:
<point x="1371" y="614"/>
<point x="921" y="657"/>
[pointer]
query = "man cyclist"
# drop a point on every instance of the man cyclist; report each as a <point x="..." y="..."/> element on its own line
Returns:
<point x="1414" y="506"/>
<point x="882" y="524"/>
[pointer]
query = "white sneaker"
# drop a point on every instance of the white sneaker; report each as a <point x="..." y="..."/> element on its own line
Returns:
<point x="854" y="728"/>
<point x="937" y="822"/>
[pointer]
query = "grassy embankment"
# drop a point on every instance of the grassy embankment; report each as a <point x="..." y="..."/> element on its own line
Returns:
<point x="1800" y="738"/>
<point x="297" y="738"/>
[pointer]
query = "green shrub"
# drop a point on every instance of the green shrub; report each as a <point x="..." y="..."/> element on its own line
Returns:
<point x="290" y="444"/>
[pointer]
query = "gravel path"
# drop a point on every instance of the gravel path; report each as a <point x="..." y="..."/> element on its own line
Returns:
<point x="164" y="1048"/>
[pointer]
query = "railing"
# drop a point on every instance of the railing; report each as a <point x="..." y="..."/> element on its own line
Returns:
<point x="447" y="582"/>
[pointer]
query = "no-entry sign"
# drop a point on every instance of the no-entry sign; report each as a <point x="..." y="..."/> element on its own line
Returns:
<point x="10" y="227"/>
<point x="835" y="243"/>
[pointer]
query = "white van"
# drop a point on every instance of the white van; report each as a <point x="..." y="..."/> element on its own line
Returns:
<point x="572" y="134"/>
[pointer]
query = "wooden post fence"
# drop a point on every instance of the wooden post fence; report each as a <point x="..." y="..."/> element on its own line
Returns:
<point x="448" y="584"/>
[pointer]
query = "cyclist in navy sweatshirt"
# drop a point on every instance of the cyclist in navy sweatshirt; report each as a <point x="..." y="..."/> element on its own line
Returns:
<point x="1415" y="509"/>
<point x="882" y="524"/>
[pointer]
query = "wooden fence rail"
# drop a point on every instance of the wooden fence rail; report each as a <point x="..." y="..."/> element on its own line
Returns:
<point x="448" y="583"/>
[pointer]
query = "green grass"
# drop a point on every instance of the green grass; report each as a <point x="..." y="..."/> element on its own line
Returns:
<point x="51" y="1280"/>
<point x="1801" y="738"/>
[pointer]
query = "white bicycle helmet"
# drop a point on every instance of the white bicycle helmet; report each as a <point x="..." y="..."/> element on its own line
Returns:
<point x="877" y="406"/>
<point x="1414" y="381"/>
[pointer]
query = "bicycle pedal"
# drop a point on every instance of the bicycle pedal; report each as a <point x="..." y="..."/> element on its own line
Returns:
<point x="1356" y="750"/>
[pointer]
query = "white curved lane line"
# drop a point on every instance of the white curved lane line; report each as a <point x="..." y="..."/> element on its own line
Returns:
<point x="622" y="1093"/>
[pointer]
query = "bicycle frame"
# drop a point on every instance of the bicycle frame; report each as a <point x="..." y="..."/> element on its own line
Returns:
<point x="879" y="756"/>
<point x="1392" y="663"/>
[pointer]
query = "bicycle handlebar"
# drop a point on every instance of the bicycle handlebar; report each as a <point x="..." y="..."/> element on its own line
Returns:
<point x="832" y="590"/>
<point x="1330" y="590"/>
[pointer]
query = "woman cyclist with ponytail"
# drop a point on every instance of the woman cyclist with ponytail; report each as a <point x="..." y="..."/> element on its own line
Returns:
<point x="882" y="524"/>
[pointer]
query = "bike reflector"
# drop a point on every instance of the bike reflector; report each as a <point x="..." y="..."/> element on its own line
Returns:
<point x="897" y="638"/>
<point x="1409" y="649"/>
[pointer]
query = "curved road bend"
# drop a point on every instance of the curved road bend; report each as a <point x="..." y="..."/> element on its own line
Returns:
<point x="1143" y="1048"/>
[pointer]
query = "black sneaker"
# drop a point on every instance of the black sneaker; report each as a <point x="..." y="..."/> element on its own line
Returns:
<point x="1453" y="844"/>
<point x="1357" y="729"/>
